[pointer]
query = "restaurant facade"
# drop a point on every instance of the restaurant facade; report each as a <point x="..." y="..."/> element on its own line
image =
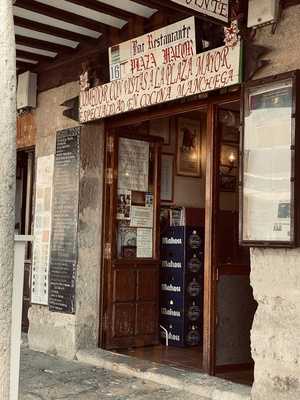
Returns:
<point x="158" y="174"/>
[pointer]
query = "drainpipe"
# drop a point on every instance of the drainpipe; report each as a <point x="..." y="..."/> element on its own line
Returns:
<point x="7" y="185"/>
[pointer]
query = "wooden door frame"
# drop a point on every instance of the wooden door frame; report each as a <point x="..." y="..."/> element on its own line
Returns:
<point x="167" y="110"/>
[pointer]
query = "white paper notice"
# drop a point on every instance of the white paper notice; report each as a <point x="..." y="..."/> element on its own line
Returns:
<point x="268" y="165"/>
<point x="144" y="243"/>
<point x="133" y="165"/>
<point x="141" y="217"/>
<point x="42" y="230"/>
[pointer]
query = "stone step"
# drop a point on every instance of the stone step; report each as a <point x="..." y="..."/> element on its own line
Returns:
<point x="203" y="385"/>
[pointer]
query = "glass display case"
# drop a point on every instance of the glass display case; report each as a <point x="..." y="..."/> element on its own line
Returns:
<point x="268" y="197"/>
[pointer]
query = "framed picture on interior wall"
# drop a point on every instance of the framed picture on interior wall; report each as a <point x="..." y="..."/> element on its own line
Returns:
<point x="229" y="122"/>
<point x="167" y="178"/>
<point x="161" y="127"/>
<point x="188" y="152"/>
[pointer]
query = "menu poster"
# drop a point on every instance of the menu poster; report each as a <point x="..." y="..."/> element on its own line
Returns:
<point x="144" y="243"/>
<point x="64" y="250"/>
<point x="42" y="229"/>
<point x="133" y="165"/>
<point x="141" y="217"/>
<point x="267" y="163"/>
<point x="127" y="238"/>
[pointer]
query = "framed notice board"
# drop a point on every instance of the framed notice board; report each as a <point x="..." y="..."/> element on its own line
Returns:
<point x="63" y="255"/>
<point x="269" y="173"/>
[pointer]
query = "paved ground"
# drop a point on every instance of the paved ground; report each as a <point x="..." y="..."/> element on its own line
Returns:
<point x="49" y="378"/>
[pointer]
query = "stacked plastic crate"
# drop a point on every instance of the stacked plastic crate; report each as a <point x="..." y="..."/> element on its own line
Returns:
<point x="181" y="279"/>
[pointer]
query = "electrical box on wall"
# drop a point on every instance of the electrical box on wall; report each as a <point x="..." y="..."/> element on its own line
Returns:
<point x="262" y="12"/>
<point x="27" y="90"/>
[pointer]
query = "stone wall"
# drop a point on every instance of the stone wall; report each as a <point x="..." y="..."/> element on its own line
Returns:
<point x="57" y="333"/>
<point x="284" y="51"/>
<point x="275" y="274"/>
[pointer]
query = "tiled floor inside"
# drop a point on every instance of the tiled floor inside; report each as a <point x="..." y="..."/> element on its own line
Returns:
<point x="189" y="358"/>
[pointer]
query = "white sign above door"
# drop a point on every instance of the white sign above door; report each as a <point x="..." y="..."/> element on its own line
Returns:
<point x="218" y="9"/>
<point x="162" y="46"/>
<point x="211" y="70"/>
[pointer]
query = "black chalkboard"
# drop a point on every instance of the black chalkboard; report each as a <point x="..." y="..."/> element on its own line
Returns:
<point x="63" y="255"/>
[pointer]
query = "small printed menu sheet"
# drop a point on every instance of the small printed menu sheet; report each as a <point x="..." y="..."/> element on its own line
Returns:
<point x="144" y="242"/>
<point x="267" y="164"/>
<point x="133" y="165"/>
<point x="141" y="217"/>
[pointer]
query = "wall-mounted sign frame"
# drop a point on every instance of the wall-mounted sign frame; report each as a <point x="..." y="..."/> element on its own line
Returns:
<point x="270" y="162"/>
<point x="64" y="237"/>
<point x="218" y="11"/>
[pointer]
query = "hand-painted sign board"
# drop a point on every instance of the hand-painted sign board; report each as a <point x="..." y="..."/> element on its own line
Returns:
<point x="170" y="43"/>
<point x="210" y="70"/>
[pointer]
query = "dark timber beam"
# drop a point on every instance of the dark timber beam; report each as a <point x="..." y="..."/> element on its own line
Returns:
<point x="160" y="6"/>
<point x="62" y="15"/>
<point x="104" y="8"/>
<point x="24" y="66"/>
<point x="42" y="44"/>
<point x="34" y="56"/>
<point x="51" y="30"/>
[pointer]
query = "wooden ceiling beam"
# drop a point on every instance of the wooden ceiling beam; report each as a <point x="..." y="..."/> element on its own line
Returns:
<point x="50" y="30"/>
<point x="104" y="8"/>
<point x="160" y="6"/>
<point x="62" y="15"/>
<point x="42" y="44"/>
<point x="33" y="56"/>
<point x="24" y="66"/>
<point x="174" y="7"/>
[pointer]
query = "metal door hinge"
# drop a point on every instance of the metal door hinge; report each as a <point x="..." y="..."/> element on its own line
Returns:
<point x="110" y="144"/>
<point x="109" y="176"/>
<point x="107" y="251"/>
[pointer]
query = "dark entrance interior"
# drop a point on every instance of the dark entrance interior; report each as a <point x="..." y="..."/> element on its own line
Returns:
<point x="195" y="163"/>
<point x="23" y="219"/>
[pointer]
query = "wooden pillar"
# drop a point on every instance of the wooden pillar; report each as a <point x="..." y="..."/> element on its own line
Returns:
<point x="209" y="345"/>
<point x="7" y="186"/>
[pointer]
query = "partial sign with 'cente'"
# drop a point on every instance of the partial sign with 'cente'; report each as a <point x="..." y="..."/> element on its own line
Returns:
<point x="218" y="9"/>
<point x="168" y="44"/>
